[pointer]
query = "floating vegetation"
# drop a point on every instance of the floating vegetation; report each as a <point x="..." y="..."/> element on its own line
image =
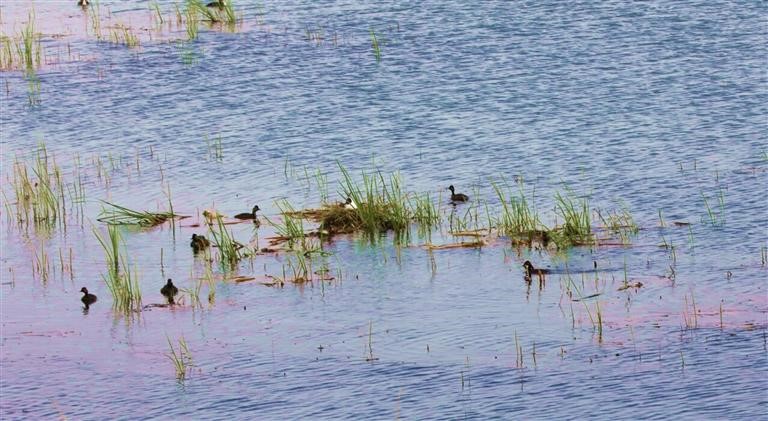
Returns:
<point x="181" y="358"/>
<point x="122" y="283"/>
<point x="120" y="215"/>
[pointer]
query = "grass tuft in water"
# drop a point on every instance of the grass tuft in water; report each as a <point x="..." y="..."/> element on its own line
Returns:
<point x="120" y="215"/>
<point x="230" y="251"/>
<point x="122" y="284"/>
<point x="181" y="358"/>
<point x="576" y="228"/>
<point x="517" y="216"/>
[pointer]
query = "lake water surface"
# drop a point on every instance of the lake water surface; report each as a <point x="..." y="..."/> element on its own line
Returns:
<point x="660" y="108"/>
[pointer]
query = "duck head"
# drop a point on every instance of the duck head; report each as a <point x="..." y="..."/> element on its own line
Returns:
<point x="84" y="290"/>
<point x="169" y="282"/>
<point x="255" y="209"/>
<point x="451" y="189"/>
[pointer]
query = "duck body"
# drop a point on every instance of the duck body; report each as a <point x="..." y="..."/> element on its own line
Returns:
<point x="349" y="204"/>
<point x="246" y="215"/>
<point x="457" y="197"/>
<point x="88" y="298"/>
<point x="199" y="242"/>
<point x="169" y="290"/>
<point x="530" y="270"/>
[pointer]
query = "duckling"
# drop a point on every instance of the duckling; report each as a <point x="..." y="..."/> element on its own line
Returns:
<point x="211" y="215"/>
<point x="169" y="291"/>
<point x="87" y="299"/>
<point x="457" y="197"/>
<point x="530" y="270"/>
<point x="199" y="242"/>
<point x="246" y="215"/>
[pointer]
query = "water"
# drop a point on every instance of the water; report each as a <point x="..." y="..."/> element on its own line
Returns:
<point x="652" y="105"/>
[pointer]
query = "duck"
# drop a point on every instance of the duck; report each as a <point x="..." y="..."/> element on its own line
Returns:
<point x="349" y="204"/>
<point x="88" y="298"/>
<point x="199" y="242"/>
<point x="246" y="215"/>
<point x="457" y="197"/>
<point x="530" y="270"/>
<point x="219" y="4"/>
<point x="169" y="290"/>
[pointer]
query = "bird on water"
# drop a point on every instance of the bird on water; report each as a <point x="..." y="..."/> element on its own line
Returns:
<point x="457" y="197"/>
<point x="530" y="270"/>
<point x="248" y="215"/>
<point x="169" y="291"/>
<point x="199" y="242"/>
<point x="88" y="298"/>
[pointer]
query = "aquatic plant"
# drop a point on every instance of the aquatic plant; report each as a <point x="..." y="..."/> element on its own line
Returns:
<point x="517" y="216"/>
<point x="224" y="13"/>
<point x="576" y="228"/>
<point x="123" y="35"/>
<point x="120" y="215"/>
<point x="381" y="204"/>
<point x="229" y="250"/>
<point x="181" y="358"/>
<point x="121" y="282"/>
<point x="619" y="222"/>
<point x="292" y="226"/>
<point x="375" y="45"/>
<point x="40" y="198"/>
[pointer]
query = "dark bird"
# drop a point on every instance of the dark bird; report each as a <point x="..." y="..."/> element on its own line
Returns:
<point x="199" y="242"/>
<point x="530" y="270"/>
<point x="246" y="215"/>
<point x="219" y="4"/>
<point x="169" y="291"/>
<point x="457" y="197"/>
<point x="87" y="299"/>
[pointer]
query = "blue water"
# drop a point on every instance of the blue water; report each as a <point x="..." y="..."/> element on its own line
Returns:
<point x="651" y="105"/>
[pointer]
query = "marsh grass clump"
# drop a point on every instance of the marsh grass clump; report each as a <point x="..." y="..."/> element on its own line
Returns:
<point x="22" y="52"/>
<point x="120" y="215"/>
<point x="40" y="196"/>
<point x="381" y="202"/>
<point x="517" y="217"/>
<point x="292" y="227"/>
<point x="339" y="220"/>
<point x="620" y="223"/>
<point x="121" y="282"/>
<point x="123" y="35"/>
<point x="576" y="228"/>
<point x="230" y="251"/>
<point x="181" y="358"/>
<point x="220" y="11"/>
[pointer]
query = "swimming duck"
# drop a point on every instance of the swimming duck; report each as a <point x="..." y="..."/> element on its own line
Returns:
<point x="246" y="215"/>
<point x="530" y="270"/>
<point x="199" y="242"/>
<point x="87" y="299"/>
<point x="457" y="197"/>
<point x="169" y="291"/>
